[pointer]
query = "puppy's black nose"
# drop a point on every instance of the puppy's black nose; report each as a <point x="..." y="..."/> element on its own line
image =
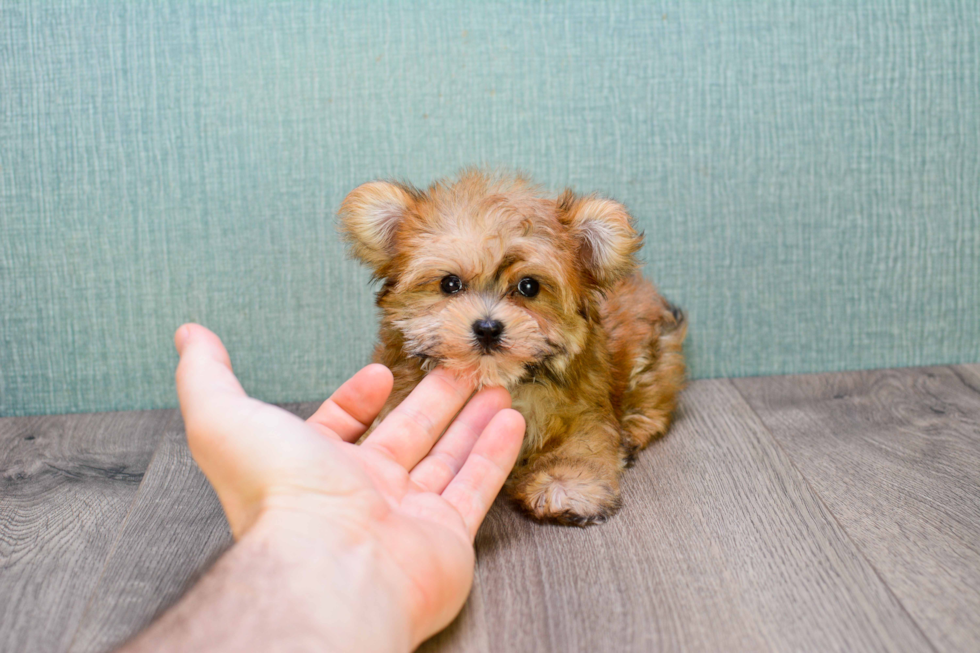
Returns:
<point x="488" y="333"/>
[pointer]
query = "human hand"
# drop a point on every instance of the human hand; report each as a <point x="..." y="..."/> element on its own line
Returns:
<point x="402" y="510"/>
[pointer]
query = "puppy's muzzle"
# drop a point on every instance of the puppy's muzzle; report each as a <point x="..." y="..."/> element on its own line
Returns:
<point x="488" y="334"/>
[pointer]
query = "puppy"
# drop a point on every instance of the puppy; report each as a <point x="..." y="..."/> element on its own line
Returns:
<point x="489" y="278"/>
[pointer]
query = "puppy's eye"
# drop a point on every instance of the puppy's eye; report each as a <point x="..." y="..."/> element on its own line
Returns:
<point x="451" y="284"/>
<point x="528" y="287"/>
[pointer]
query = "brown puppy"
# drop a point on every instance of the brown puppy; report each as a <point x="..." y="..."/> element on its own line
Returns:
<point x="485" y="276"/>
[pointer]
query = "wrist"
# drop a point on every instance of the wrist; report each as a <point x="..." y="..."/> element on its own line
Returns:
<point x="336" y="580"/>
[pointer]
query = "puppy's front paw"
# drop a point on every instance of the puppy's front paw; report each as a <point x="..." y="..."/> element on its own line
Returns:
<point x="573" y="493"/>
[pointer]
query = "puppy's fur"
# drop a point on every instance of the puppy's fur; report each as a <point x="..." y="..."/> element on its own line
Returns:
<point x="592" y="360"/>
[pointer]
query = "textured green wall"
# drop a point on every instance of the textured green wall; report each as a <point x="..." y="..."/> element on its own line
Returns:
<point x="807" y="173"/>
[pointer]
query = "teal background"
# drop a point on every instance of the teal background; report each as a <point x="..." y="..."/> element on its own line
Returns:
<point x="807" y="173"/>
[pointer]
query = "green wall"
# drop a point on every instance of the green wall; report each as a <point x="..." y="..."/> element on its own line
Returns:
<point x="807" y="173"/>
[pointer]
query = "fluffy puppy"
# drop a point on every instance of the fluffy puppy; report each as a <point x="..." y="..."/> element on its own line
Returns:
<point x="486" y="276"/>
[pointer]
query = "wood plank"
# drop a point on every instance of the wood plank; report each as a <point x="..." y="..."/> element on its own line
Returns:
<point x="969" y="374"/>
<point x="720" y="546"/>
<point x="66" y="484"/>
<point x="895" y="455"/>
<point x="174" y="533"/>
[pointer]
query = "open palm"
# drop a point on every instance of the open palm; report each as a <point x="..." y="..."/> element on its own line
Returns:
<point x="413" y="498"/>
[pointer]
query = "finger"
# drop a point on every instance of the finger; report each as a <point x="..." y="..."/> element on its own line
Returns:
<point x="350" y="410"/>
<point x="204" y="373"/>
<point x="483" y="474"/>
<point x="437" y="469"/>
<point x="407" y="434"/>
<point x="208" y="393"/>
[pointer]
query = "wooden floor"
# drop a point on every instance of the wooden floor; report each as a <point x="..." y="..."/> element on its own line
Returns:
<point x="833" y="512"/>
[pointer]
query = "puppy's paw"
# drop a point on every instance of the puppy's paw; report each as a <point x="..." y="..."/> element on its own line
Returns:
<point x="639" y="431"/>
<point x="574" y="495"/>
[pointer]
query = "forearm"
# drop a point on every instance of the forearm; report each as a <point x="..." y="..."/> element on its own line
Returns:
<point x="277" y="589"/>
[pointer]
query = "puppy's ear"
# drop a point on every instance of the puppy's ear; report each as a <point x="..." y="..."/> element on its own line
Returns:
<point x="604" y="231"/>
<point x="369" y="219"/>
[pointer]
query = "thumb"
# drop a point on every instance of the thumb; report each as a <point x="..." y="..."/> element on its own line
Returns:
<point x="205" y="381"/>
